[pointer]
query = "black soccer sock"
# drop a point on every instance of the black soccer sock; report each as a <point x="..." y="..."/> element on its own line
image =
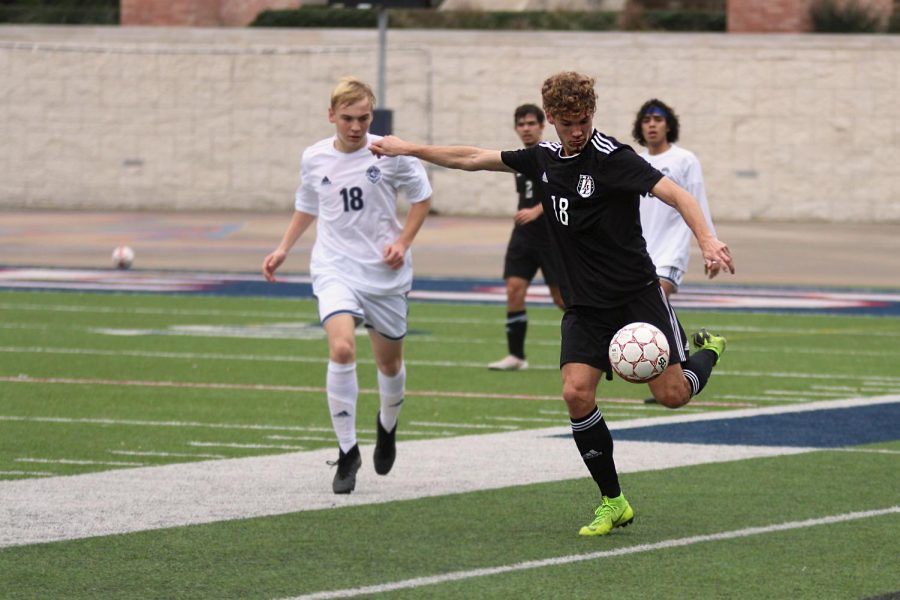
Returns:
<point x="516" y="326"/>
<point x="595" y="444"/>
<point x="698" y="368"/>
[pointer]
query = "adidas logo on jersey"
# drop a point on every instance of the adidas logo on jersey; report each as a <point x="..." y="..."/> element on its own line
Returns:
<point x="544" y="177"/>
<point x="326" y="181"/>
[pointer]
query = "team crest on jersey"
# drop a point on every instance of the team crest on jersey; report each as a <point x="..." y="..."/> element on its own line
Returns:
<point x="373" y="174"/>
<point x="585" y="186"/>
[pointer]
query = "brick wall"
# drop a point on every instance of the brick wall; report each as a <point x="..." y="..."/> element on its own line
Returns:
<point x="197" y="13"/>
<point x="786" y="16"/>
<point x="190" y="13"/>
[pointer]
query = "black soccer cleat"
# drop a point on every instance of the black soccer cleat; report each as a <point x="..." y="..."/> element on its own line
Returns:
<point x="385" y="448"/>
<point x="347" y="466"/>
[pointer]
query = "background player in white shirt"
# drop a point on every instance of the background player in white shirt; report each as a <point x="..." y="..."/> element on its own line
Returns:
<point x="668" y="236"/>
<point x="361" y="265"/>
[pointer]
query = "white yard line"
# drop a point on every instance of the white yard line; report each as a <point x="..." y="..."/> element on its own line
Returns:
<point x="74" y="461"/>
<point x="418" y="582"/>
<point x="244" y="446"/>
<point x="164" y="454"/>
<point x="128" y="500"/>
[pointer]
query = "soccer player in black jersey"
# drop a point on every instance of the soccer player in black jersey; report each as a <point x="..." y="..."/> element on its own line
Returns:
<point x="591" y="192"/>
<point x="529" y="248"/>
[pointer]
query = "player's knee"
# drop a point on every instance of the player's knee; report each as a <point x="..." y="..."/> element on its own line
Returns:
<point x="672" y="395"/>
<point x="672" y="399"/>
<point x="579" y="401"/>
<point x="342" y="352"/>
<point x="389" y="367"/>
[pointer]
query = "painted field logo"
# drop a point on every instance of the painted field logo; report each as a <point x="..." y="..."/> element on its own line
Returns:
<point x="585" y="186"/>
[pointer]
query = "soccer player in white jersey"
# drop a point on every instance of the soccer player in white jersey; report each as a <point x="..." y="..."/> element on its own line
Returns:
<point x="668" y="236"/>
<point x="361" y="265"/>
<point x="591" y="190"/>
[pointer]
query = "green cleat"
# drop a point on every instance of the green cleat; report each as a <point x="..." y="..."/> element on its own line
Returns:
<point x="704" y="340"/>
<point x="612" y="512"/>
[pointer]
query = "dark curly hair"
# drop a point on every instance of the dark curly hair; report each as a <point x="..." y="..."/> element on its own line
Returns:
<point x="671" y="121"/>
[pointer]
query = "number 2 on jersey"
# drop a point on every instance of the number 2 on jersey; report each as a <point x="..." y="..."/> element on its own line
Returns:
<point x="353" y="199"/>
<point x="561" y="209"/>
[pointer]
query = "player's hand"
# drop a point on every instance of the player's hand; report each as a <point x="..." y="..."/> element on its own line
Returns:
<point x="527" y="215"/>
<point x="716" y="256"/>
<point x="395" y="255"/>
<point x="711" y="269"/>
<point x="389" y="145"/>
<point x="271" y="263"/>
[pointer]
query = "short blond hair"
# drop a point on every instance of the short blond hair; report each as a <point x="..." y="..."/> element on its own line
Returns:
<point x="569" y="94"/>
<point x="351" y="90"/>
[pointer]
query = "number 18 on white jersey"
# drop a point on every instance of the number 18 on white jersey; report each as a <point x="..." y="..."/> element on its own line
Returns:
<point x="354" y="196"/>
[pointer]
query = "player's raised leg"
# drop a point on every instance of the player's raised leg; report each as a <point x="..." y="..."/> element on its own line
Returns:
<point x="681" y="382"/>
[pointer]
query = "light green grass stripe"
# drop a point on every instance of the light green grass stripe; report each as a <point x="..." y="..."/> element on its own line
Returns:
<point x="418" y="582"/>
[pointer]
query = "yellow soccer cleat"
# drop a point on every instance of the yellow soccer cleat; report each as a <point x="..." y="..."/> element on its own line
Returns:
<point x="612" y="512"/>
<point x="704" y="340"/>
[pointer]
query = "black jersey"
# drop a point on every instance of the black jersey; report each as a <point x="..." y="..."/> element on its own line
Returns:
<point x="529" y="196"/>
<point x="528" y="191"/>
<point x="592" y="203"/>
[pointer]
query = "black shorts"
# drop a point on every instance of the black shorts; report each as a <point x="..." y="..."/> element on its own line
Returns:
<point x="528" y="250"/>
<point x="587" y="331"/>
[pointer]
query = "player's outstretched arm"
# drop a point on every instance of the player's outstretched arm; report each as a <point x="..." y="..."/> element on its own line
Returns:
<point x="466" y="158"/>
<point x="395" y="254"/>
<point x="299" y="223"/>
<point x="716" y="255"/>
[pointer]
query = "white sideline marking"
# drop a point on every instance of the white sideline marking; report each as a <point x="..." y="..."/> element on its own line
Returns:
<point x="111" y="502"/>
<point x="418" y="582"/>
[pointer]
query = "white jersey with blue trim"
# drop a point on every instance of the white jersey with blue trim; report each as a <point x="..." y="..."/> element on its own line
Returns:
<point x="354" y="197"/>
<point x="668" y="236"/>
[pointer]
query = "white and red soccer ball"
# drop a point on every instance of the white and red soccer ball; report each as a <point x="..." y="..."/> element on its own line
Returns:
<point x="122" y="257"/>
<point x="639" y="352"/>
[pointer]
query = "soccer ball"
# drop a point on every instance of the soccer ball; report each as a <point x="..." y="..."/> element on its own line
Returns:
<point x="122" y="257"/>
<point x="639" y="352"/>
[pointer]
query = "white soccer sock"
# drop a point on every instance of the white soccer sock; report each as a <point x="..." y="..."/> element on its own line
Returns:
<point x="391" y="390"/>
<point x="343" y="390"/>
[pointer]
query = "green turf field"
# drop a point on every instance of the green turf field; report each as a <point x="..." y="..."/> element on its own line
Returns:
<point x="99" y="382"/>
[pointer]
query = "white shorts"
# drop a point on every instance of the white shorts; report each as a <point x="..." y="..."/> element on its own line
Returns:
<point x="673" y="275"/>
<point x="385" y="314"/>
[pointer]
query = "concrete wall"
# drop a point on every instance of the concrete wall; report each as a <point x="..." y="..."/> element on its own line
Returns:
<point x="788" y="127"/>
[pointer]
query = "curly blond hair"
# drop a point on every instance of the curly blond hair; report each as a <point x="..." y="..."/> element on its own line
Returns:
<point x="569" y="94"/>
<point x="351" y="90"/>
